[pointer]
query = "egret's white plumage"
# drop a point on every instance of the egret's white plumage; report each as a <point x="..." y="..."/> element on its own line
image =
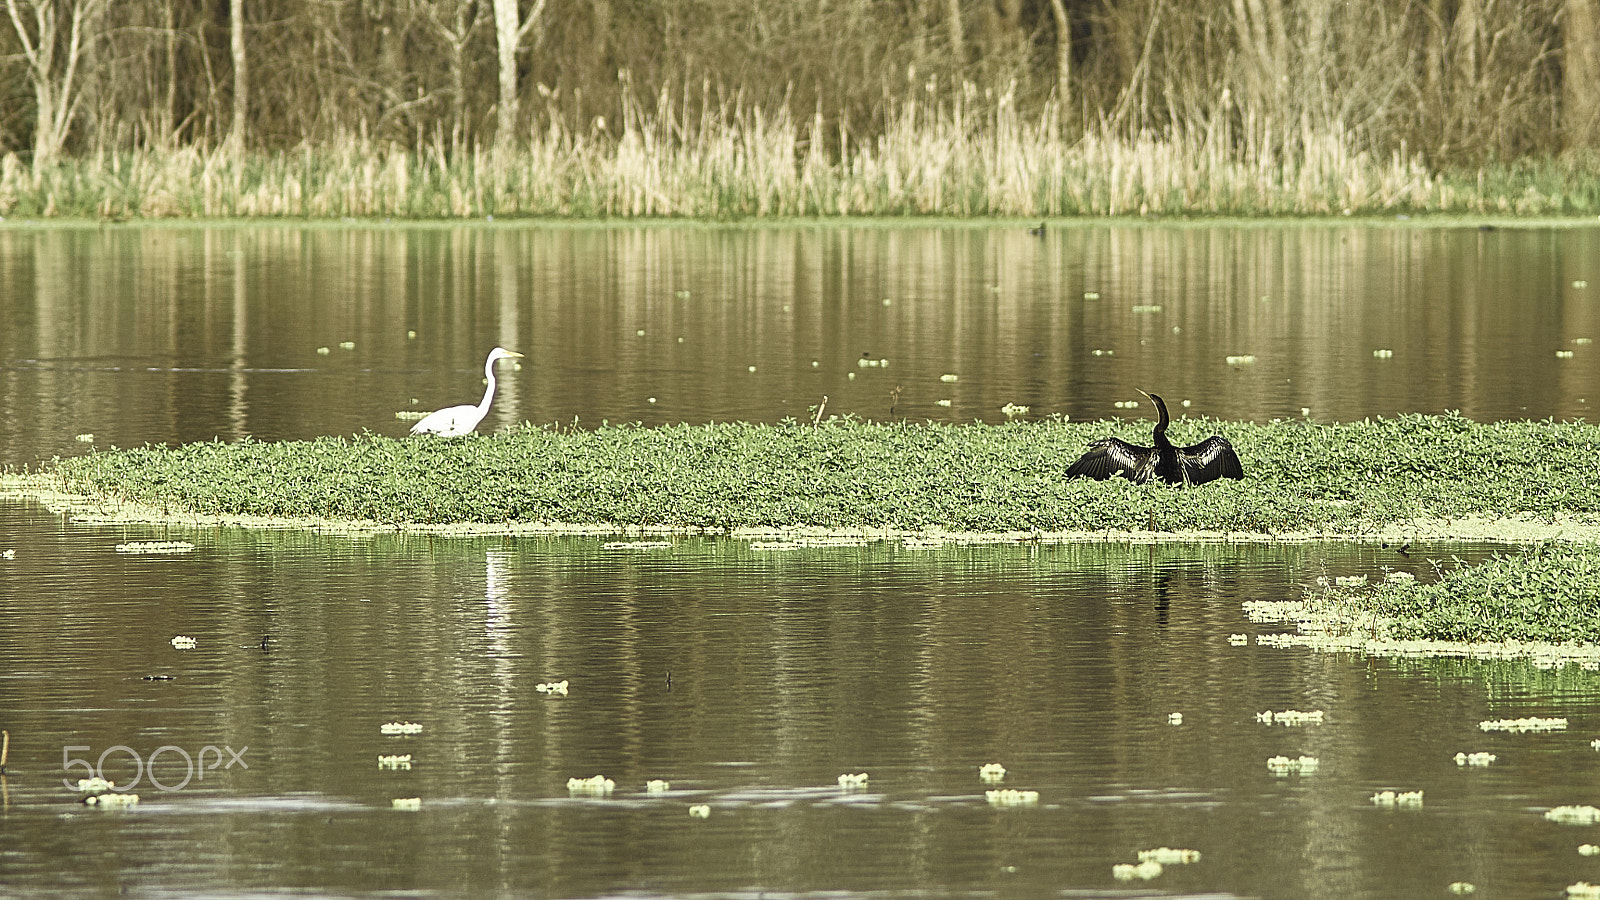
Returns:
<point x="455" y="421"/>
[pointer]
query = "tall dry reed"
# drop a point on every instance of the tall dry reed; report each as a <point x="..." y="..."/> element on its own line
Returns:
<point x="970" y="154"/>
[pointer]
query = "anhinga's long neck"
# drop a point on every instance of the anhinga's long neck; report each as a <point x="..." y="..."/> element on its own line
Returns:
<point x="1161" y="425"/>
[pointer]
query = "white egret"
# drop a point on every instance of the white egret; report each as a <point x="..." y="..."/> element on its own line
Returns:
<point x="455" y="421"/>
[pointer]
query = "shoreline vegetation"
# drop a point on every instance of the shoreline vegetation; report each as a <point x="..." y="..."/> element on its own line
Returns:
<point x="1542" y="604"/>
<point x="767" y="167"/>
<point x="1301" y="478"/>
<point x="714" y="109"/>
<point x="847" y="481"/>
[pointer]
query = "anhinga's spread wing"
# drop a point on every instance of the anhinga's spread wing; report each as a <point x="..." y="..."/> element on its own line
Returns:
<point x="1111" y="456"/>
<point x="1209" y="460"/>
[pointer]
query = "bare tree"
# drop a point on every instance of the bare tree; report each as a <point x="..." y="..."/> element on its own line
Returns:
<point x="958" y="41"/>
<point x="509" y="30"/>
<point x="1580" y="74"/>
<point x="455" y="21"/>
<point x="1458" y="81"/>
<point x="166" y="117"/>
<point x="53" y="62"/>
<point x="241" y="78"/>
<point x="1264" y="52"/>
<point x="1058" y="9"/>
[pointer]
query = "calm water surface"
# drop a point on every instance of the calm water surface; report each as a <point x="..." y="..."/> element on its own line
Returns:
<point x="136" y="335"/>
<point x="751" y="678"/>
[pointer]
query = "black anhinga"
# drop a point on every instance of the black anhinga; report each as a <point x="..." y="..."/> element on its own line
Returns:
<point x="1208" y="460"/>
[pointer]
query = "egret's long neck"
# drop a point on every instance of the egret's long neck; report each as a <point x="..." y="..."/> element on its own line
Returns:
<point x="488" y="392"/>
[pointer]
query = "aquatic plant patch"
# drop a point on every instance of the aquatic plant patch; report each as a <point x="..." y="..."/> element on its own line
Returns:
<point x="1300" y="476"/>
<point x="1550" y="593"/>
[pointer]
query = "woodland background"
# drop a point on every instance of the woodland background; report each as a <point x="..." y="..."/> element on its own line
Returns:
<point x="1376" y="102"/>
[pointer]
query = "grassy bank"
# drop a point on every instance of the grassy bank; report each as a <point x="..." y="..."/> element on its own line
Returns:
<point x="1549" y="594"/>
<point x="1413" y="476"/>
<point x="759" y="166"/>
<point x="1345" y="479"/>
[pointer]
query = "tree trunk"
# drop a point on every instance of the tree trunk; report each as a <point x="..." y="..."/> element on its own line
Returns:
<point x="1433" y="50"/>
<point x="455" y="22"/>
<point x="1466" y="35"/>
<point x="241" y="79"/>
<point x="168" y="117"/>
<point x="1580" y="74"/>
<point x="958" y="40"/>
<point x="601" y="58"/>
<point x="1262" y="45"/>
<point x="1063" y="54"/>
<point x="458" y="94"/>
<point x="506" y="37"/>
<point x="509" y="30"/>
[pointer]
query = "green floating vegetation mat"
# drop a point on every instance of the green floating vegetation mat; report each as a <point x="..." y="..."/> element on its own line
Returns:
<point x="1300" y="476"/>
<point x="1549" y="594"/>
